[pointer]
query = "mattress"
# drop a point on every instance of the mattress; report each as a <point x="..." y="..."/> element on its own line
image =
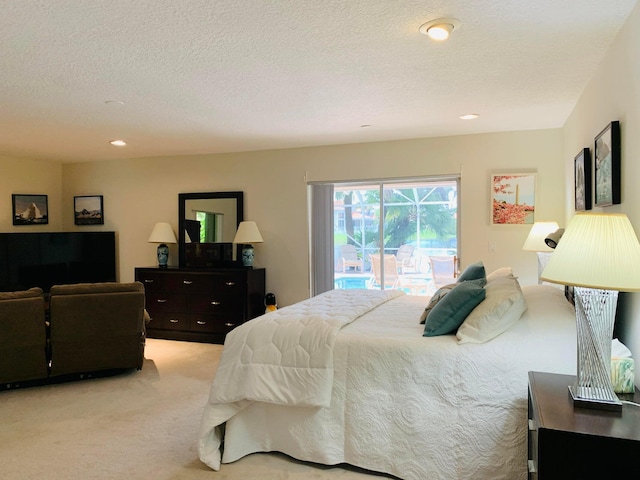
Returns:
<point x="412" y="406"/>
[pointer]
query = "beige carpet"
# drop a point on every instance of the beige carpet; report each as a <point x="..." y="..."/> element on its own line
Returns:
<point x="138" y="425"/>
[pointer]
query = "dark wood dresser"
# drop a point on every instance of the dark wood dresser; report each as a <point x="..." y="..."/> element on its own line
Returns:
<point x="567" y="442"/>
<point x="200" y="305"/>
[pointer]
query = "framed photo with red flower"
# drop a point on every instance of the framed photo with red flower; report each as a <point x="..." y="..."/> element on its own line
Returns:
<point x="513" y="198"/>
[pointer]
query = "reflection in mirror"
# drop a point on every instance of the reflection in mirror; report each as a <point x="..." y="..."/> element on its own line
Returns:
<point x="208" y="218"/>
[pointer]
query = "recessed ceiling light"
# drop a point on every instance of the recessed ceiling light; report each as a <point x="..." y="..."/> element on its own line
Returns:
<point x="469" y="116"/>
<point x="118" y="143"/>
<point x="439" y="29"/>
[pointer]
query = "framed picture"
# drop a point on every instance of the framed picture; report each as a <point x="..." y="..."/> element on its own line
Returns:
<point x="30" y="209"/>
<point x="88" y="210"/>
<point x="513" y="198"/>
<point x="607" y="166"/>
<point x="582" y="180"/>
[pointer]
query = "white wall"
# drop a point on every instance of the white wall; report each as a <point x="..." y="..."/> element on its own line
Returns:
<point x="614" y="94"/>
<point x="139" y="193"/>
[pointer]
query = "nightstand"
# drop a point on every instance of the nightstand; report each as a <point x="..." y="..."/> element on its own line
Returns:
<point x="567" y="442"/>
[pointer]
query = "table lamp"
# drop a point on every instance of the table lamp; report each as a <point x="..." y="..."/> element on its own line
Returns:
<point x="247" y="234"/>
<point x="162" y="234"/>
<point x="535" y="242"/>
<point x="599" y="255"/>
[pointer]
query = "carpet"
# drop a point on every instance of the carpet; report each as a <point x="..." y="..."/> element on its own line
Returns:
<point x="136" y="425"/>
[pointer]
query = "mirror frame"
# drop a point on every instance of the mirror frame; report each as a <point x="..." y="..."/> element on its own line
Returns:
<point x="183" y="197"/>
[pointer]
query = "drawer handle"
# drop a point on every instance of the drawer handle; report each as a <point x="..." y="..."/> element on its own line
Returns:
<point x="200" y="322"/>
<point x="173" y="320"/>
<point x="215" y="302"/>
<point x="187" y="282"/>
<point x="161" y="300"/>
<point x="230" y="284"/>
<point x="229" y="324"/>
<point x="147" y="280"/>
<point x="531" y="466"/>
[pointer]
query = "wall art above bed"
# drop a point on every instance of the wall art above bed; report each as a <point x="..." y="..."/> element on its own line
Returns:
<point x="607" y="166"/>
<point x="513" y="198"/>
<point x="582" y="180"/>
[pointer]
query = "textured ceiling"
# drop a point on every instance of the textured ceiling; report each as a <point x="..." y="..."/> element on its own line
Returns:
<point x="210" y="76"/>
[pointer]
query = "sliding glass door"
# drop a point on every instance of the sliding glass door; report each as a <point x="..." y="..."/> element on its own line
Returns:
<point x="384" y="233"/>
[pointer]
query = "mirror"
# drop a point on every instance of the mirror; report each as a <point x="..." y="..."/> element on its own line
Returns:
<point x="205" y="222"/>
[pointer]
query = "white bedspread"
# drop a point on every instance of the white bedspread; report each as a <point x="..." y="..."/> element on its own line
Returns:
<point x="415" y="407"/>
<point x="284" y="357"/>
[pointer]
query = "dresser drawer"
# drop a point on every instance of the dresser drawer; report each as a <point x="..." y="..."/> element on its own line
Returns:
<point x="152" y="281"/>
<point x="216" y="303"/>
<point x="174" y="321"/>
<point x="166" y="302"/>
<point x="214" y="323"/>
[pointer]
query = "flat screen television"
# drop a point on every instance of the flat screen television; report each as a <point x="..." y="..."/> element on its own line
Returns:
<point x="44" y="259"/>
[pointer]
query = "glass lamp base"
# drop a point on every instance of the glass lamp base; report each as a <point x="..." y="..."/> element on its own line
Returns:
<point x="595" y="315"/>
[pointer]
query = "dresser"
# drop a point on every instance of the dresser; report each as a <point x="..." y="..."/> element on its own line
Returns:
<point x="567" y="442"/>
<point x="200" y="305"/>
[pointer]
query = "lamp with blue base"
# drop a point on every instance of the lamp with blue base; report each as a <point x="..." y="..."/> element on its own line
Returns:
<point x="162" y="234"/>
<point x="247" y="235"/>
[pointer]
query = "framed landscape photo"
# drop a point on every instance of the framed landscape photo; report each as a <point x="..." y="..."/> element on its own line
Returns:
<point x="30" y="209"/>
<point x="607" y="166"/>
<point x="513" y="198"/>
<point x="582" y="180"/>
<point x="88" y="210"/>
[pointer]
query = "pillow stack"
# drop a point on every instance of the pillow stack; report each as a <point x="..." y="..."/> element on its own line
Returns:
<point x="451" y="304"/>
<point x="477" y="307"/>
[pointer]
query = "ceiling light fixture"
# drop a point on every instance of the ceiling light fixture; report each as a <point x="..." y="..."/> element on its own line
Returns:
<point x="118" y="143"/>
<point x="469" y="116"/>
<point x="439" y="29"/>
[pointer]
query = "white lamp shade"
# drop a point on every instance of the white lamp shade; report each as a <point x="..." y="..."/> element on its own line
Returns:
<point x="535" y="241"/>
<point x="162" y="233"/>
<point x="248" y="233"/>
<point x="598" y="251"/>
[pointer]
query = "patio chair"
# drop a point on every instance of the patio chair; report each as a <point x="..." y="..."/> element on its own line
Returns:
<point x="349" y="256"/>
<point x="406" y="260"/>
<point x="444" y="270"/>
<point x="391" y="276"/>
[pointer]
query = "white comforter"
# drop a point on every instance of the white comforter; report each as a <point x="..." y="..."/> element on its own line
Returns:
<point x="415" y="407"/>
<point x="284" y="357"/>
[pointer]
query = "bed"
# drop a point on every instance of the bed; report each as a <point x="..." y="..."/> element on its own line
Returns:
<point x="368" y="389"/>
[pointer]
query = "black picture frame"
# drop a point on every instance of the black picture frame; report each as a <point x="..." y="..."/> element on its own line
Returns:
<point x="607" y="176"/>
<point x="582" y="180"/>
<point x="30" y="209"/>
<point x="88" y="210"/>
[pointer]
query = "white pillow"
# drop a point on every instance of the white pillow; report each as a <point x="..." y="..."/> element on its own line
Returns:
<point x="500" y="273"/>
<point x="503" y="306"/>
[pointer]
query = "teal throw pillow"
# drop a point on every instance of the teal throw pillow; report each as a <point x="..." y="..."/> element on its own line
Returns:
<point x="439" y="295"/>
<point x="453" y="308"/>
<point x="475" y="271"/>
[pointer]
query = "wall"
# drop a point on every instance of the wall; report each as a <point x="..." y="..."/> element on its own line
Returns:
<point x="614" y="94"/>
<point x="138" y="193"/>
<point x="24" y="176"/>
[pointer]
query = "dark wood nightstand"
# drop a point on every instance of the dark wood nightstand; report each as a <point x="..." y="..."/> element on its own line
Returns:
<point x="567" y="442"/>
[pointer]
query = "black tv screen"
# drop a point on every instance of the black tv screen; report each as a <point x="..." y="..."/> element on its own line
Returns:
<point x="45" y="259"/>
